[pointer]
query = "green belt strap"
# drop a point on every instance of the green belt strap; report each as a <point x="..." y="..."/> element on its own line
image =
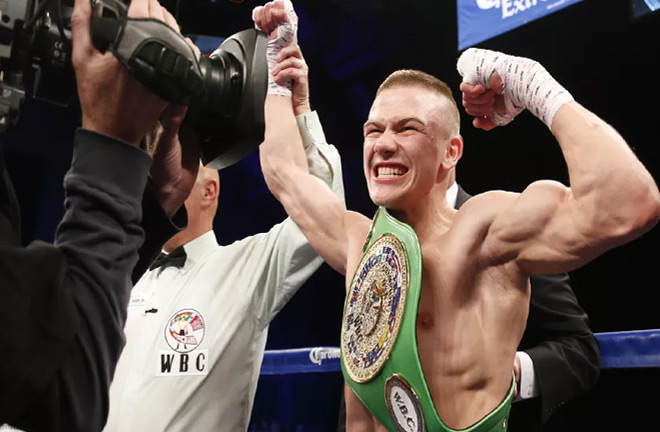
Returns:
<point x="403" y="361"/>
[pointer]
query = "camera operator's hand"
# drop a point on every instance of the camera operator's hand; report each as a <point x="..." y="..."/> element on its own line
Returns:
<point x="176" y="152"/>
<point x="175" y="148"/>
<point x="112" y="101"/>
<point x="291" y="65"/>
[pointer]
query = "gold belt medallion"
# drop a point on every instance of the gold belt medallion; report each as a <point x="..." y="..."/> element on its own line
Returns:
<point x="374" y="309"/>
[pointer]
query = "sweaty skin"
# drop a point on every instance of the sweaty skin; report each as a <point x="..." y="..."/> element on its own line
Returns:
<point x="475" y="287"/>
<point x="477" y="260"/>
<point x="471" y="317"/>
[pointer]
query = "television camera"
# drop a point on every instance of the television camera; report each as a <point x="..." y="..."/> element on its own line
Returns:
<point x="225" y="91"/>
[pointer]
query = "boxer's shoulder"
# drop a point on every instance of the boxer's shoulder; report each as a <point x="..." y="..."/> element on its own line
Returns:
<point x="478" y="213"/>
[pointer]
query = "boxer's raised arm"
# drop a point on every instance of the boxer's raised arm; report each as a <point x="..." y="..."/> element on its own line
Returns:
<point x="311" y="204"/>
<point x="612" y="198"/>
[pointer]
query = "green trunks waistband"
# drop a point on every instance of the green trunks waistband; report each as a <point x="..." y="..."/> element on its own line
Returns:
<point x="379" y="360"/>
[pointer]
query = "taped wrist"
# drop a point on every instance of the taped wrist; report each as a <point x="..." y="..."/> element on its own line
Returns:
<point x="286" y="35"/>
<point x="526" y="84"/>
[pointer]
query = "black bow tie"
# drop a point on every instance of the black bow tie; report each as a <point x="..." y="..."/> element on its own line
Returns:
<point x="176" y="258"/>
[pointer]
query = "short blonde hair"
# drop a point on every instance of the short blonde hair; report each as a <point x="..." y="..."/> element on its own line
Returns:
<point x="415" y="78"/>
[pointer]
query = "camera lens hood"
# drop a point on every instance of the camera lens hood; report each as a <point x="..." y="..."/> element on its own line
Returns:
<point x="225" y="92"/>
<point x="229" y="117"/>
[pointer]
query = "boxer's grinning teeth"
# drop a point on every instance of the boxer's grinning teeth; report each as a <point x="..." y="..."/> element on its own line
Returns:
<point x="390" y="172"/>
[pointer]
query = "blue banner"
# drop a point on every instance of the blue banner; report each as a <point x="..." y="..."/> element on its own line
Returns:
<point x="479" y="20"/>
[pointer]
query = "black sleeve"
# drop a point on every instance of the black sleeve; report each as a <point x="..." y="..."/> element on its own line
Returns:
<point x="158" y="229"/>
<point x="560" y="342"/>
<point x="10" y="230"/>
<point x="65" y="305"/>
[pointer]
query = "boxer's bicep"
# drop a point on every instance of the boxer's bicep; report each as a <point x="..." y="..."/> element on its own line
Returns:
<point x="544" y="230"/>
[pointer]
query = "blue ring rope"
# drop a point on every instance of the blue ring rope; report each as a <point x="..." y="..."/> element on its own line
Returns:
<point x="618" y="350"/>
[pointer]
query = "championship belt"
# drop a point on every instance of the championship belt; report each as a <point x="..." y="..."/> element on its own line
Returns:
<point x="379" y="357"/>
<point x="378" y="339"/>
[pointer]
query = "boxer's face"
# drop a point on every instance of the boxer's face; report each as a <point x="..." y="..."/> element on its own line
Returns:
<point x="403" y="144"/>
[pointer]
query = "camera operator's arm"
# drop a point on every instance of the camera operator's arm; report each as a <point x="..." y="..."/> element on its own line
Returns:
<point x="69" y="302"/>
<point x="176" y="150"/>
<point x="10" y="229"/>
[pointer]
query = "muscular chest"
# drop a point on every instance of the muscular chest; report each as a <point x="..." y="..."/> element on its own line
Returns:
<point x="448" y="277"/>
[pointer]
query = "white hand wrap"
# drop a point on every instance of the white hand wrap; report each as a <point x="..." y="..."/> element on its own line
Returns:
<point x="526" y="84"/>
<point x="286" y="34"/>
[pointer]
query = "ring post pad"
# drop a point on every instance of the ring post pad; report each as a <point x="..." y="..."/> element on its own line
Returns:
<point x="379" y="357"/>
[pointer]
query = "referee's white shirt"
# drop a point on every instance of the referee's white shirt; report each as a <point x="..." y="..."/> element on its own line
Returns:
<point x="196" y="335"/>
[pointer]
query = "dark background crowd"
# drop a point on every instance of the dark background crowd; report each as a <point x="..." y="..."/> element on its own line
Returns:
<point x="607" y="57"/>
